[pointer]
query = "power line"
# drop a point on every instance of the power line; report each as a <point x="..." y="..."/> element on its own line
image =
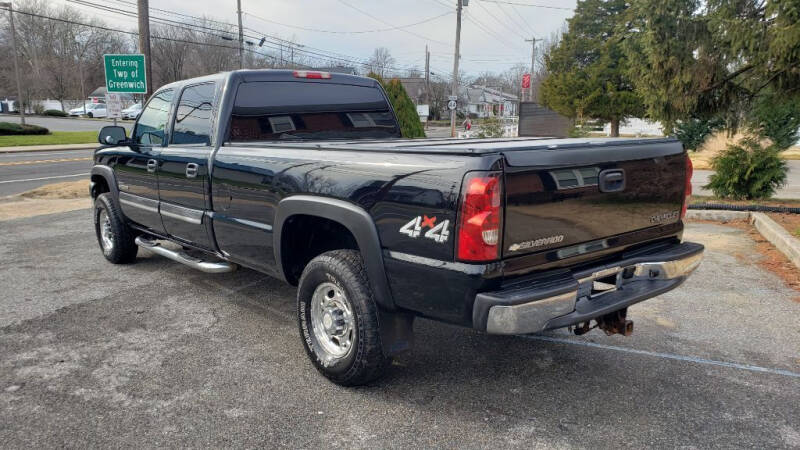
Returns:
<point x="133" y="33"/>
<point x="490" y="32"/>
<point x="227" y="35"/>
<point x="300" y="48"/>
<point x="175" y="13"/>
<point x="512" y="28"/>
<point x="481" y="26"/>
<point x="387" y="23"/>
<point x="399" y="27"/>
<point x="530" y="5"/>
<point x="521" y="17"/>
<point x="223" y="34"/>
<point x="525" y="27"/>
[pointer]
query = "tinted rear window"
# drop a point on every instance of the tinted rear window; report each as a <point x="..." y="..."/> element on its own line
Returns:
<point x="301" y="110"/>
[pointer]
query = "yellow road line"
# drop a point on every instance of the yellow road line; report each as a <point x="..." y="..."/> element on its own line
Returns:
<point x="43" y="161"/>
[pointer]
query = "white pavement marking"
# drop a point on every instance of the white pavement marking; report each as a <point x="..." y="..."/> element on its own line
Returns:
<point x="45" y="178"/>
<point x="693" y="359"/>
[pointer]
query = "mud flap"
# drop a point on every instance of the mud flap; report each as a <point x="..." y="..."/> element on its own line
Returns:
<point x="397" y="333"/>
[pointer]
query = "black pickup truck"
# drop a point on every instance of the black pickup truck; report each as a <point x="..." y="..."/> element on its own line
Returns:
<point x="305" y="176"/>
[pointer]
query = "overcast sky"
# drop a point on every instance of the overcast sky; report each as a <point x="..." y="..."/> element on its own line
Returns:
<point x="494" y="43"/>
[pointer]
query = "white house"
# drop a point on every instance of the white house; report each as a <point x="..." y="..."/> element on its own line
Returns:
<point x="484" y="101"/>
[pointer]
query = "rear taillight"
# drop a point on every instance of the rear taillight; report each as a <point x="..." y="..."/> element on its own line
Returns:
<point x="687" y="190"/>
<point x="480" y="219"/>
<point x="311" y="74"/>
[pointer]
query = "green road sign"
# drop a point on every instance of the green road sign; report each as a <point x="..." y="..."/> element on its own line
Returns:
<point x="125" y="73"/>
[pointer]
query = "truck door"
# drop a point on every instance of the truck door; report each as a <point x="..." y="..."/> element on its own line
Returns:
<point x="136" y="171"/>
<point x="183" y="174"/>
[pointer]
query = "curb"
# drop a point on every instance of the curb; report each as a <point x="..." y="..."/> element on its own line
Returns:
<point x="777" y="236"/>
<point x="48" y="148"/>
<point x="772" y="231"/>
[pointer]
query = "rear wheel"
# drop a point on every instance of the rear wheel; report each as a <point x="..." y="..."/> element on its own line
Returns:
<point x="338" y="319"/>
<point x="115" y="237"/>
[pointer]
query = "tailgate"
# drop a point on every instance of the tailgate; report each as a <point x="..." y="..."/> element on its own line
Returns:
<point x="574" y="199"/>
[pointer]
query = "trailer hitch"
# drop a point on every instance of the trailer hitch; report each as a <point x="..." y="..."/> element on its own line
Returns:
<point x="613" y="323"/>
<point x="616" y="323"/>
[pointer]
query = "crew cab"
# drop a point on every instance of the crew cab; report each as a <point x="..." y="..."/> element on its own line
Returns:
<point x="305" y="176"/>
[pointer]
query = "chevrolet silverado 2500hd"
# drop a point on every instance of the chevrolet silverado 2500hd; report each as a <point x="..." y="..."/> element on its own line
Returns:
<point x="304" y="176"/>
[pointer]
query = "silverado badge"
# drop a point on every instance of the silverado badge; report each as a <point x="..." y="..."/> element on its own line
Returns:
<point x="536" y="243"/>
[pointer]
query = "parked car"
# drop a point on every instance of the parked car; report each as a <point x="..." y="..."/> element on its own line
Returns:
<point x="96" y="110"/>
<point x="132" y="112"/>
<point x="79" y="111"/>
<point x="305" y="176"/>
<point x="92" y="110"/>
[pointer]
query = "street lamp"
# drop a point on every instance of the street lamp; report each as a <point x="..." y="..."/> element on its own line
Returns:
<point x="21" y="106"/>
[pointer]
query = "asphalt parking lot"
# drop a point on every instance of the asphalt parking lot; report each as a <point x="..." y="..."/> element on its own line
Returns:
<point x="155" y="354"/>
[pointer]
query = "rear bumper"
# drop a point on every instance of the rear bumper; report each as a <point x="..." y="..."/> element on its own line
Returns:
<point x="571" y="298"/>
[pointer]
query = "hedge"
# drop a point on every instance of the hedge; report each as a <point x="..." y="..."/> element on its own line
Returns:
<point x="54" y="112"/>
<point x="9" y="129"/>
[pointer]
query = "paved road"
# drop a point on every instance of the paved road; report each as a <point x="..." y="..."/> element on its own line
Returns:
<point x="155" y="354"/>
<point x="20" y="172"/>
<point x="67" y="124"/>
<point x="791" y="190"/>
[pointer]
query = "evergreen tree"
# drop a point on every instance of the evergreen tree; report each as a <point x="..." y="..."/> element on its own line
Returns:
<point x="404" y="109"/>
<point x="588" y="69"/>
<point x="715" y="58"/>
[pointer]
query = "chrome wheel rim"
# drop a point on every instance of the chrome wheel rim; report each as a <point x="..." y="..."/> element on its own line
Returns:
<point x="106" y="234"/>
<point x="332" y="320"/>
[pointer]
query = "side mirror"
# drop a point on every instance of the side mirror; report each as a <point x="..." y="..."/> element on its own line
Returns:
<point x="112" y="135"/>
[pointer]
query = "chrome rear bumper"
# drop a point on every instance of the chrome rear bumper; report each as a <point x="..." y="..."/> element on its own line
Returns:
<point x="585" y="294"/>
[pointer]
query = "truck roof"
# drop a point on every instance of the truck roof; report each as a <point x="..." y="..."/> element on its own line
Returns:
<point x="251" y="75"/>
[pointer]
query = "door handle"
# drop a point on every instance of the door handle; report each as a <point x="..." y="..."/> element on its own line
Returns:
<point x="151" y="165"/>
<point x="612" y="180"/>
<point x="191" y="170"/>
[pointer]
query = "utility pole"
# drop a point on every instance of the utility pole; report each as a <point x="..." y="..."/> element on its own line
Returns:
<point x="20" y="102"/>
<point x="455" y="67"/>
<point x="428" y="84"/>
<point x="427" y="76"/>
<point x="241" y="33"/>
<point x="143" y="9"/>
<point x="532" y="40"/>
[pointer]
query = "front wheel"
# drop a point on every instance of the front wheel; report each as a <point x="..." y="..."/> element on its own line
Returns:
<point x="115" y="237"/>
<point x="338" y="319"/>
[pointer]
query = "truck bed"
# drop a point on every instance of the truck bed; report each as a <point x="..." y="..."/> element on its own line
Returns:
<point x="511" y="146"/>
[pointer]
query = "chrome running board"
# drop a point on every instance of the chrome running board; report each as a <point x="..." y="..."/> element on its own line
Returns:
<point x="183" y="258"/>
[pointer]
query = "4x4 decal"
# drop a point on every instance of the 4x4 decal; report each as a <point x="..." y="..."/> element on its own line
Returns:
<point x="438" y="233"/>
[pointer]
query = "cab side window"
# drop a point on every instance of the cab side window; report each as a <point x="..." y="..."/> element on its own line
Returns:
<point x="152" y="124"/>
<point x="193" y="118"/>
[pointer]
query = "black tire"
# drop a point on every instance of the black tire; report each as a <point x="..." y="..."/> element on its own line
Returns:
<point x="122" y="248"/>
<point x="89" y="115"/>
<point x="364" y="361"/>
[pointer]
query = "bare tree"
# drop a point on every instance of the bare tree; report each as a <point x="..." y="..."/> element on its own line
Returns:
<point x="169" y="50"/>
<point x="59" y="57"/>
<point x="381" y="61"/>
<point x="512" y="79"/>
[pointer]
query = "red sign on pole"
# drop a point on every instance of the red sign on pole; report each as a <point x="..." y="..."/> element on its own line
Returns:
<point x="526" y="81"/>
